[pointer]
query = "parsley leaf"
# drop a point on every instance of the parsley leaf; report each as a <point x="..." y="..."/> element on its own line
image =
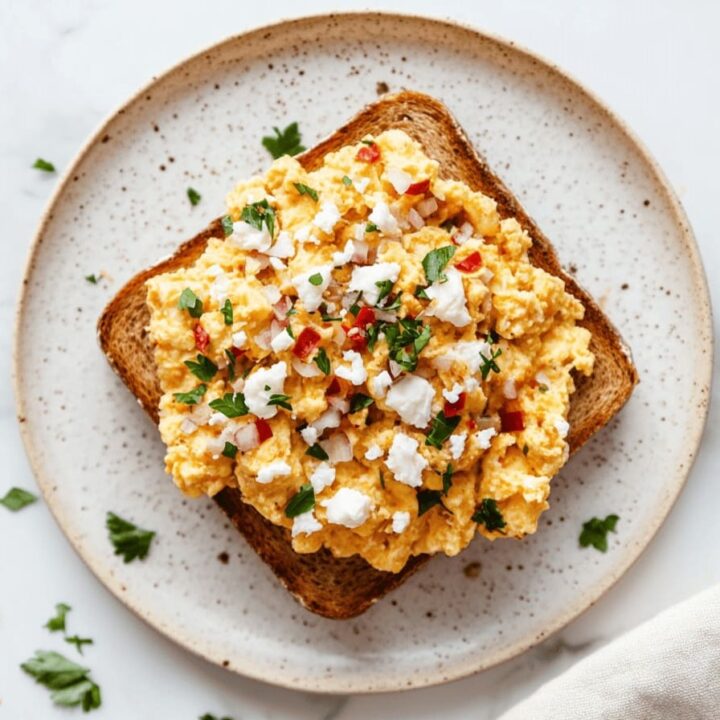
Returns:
<point x="359" y="402"/>
<point x="594" y="532"/>
<point x="257" y="213"/>
<point x="92" y="279"/>
<point x="191" y="302"/>
<point x="57" y="623"/>
<point x="441" y="429"/>
<point x="286" y="142"/>
<point x="488" y="514"/>
<point x="280" y="400"/>
<point x="406" y="340"/>
<point x="489" y="364"/>
<point x="301" y="502"/>
<point x="192" y="397"/>
<point x="447" y="478"/>
<point x="306" y="190"/>
<point x="322" y="361"/>
<point x="420" y="293"/>
<point x="382" y="479"/>
<point x="318" y="452"/>
<point x="203" y="369"/>
<point x="231" y="364"/>
<point x="193" y="196"/>
<point x="227" y="225"/>
<point x="435" y="261"/>
<point x="315" y="279"/>
<point x="427" y="499"/>
<point x="230" y="450"/>
<point x="43" y="165"/>
<point x="16" y="499"/>
<point x="78" y="642"/>
<point x="346" y="180"/>
<point x="385" y="286"/>
<point x="325" y="316"/>
<point x="371" y="227"/>
<point x="492" y="337"/>
<point x="129" y="540"/>
<point x="69" y="683"/>
<point x="231" y="405"/>
<point x="227" y="312"/>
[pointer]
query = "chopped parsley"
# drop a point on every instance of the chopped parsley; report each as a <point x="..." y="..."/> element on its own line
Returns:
<point x="70" y="684"/>
<point x="318" y="452"/>
<point x="447" y="478"/>
<point x="406" y="339"/>
<point x="447" y="226"/>
<point x="192" y="397"/>
<point x="384" y="286"/>
<point x="492" y="337"/>
<point x="306" y="190"/>
<point x="231" y="405"/>
<point x="227" y="312"/>
<point x="57" y="622"/>
<point x="193" y="196"/>
<point x="227" y="225"/>
<point x="93" y="279"/>
<point x="420" y="292"/>
<point x="354" y="309"/>
<point x="525" y="449"/>
<point x="129" y="540"/>
<point x="302" y="501"/>
<point x="285" y="142"/>
<point x="204" y="369"/>
<point x="315" y="279"/>
<point x="231" y="364"/>
<point x="322" y="361"/>
<point x="543" y="388"/>
<point x="594" y="532"/>
<point x="258" y="213"/>
<point x="191" y="302"/>
<point x="43" y="165"/>
<point x="325" y="316"/>
<point x="441" y="428"/>
<point x="347" y="181"/>
<point x="280" y="400"/>
<point x="428" y="499"/>
<point x="488" y="514"/>
<point x="489" y="364"/>
<point x="78" y="642"/>
<point x="435" y="261"/>
<point x="371" y="227"/>
<point x="382" y="479"/>
<point x="359" y="402"/>
<point x="16" y="499"/>
<point x="230" y="450"/>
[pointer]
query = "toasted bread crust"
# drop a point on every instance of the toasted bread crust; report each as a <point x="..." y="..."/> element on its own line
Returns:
<point x="345" y="587"/>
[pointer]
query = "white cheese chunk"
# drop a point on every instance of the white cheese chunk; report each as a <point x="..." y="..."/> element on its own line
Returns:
<point x="399" y="179"/>
<point x="220" y="288"/>
<point x="247" y="237"/>
<point x="309" y="435"/>
<point x="483" y="437"/>
<point x="355" y="373"/>
<point x="348" y="507"/>
<point x="256" y="395"/>
<point x="277" y="264"/>
<point x="400" y="521"/>
<point x="361" y="185"/>
<point x="381" y="382"/>
<point x="382" y="217"/>
<point x="323" y="476"/>
<point x="448" y="300"/>
<point x="411" y="398"/>
<point x="305" y="524"/>
<point x="405" y="461"/>
<point x="457" y="445"/>
<point x="365" y="279"/>
<point x="562" y="426"/>
<point x="453" y="395"/>
<point x="373" y="452"/>
<point x="311" y="295"/>
<point x="277" y="468"/>
<point x="509" y="389"/>
<point x="239" y="339"/>
<point x="466" y="353"/>
<point x="282" y="341"/>
<point x="327" y="217"/>
<point x="343" y="258"/>
<point x="284" y="246"/>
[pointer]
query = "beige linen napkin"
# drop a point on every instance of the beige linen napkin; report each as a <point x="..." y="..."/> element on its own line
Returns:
<point x="666" y="669"/>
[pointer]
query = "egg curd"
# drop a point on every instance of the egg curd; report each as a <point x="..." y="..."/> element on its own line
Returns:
<point x="369" y="357"/>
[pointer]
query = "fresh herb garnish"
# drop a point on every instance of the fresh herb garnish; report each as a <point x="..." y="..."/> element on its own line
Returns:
<point x="43" y="165"/>
<point x="347" y="181"/>
<point x="382" y="479"/>
<point x="428" y="499"/>
<point x="305" y="190"/>
<point x="488" y="514"/>
<point x="322" y="361"/>
<point x="393" y="303"/>
<point x="301" y="502"/>
<point x="280" y="400"/>
<point x="259" y="213"/>
<point x="435" y="261"/>
<point x="447" y="226"/>
<point x="525" y="449"/>
<point x="69" y="684"/>
<point x="16" y="499"/>
<point x="57" y="623"/>
<point x="441" y="428"/>
<point x="227" y="225"/>
<point x="231" y="405"/>
<point x="192" y="397"/>
<point x="384" y="286"/>
<point x="420" y="292"/>
<point x="371" y="227"/>
<point x="193" y="196"/>
<point x="204" y="369"/>
<point x="231" y="364"/>
<point x="492" y="337"/>
<point x="325" y="315"/>
<point x="230" y="450"/>
<point x="406" y="340"/>
<point x="543" y="388"/>
<point x="354" y="309"/>
<point x="78" y="642"/>
<point x="285" y="142"/>
<point x="594" y="532"/>
<point x="129" y="540"/>
<point x="369" y="143"/>
<point x="227" y="312"/>
<point x="318" y="452"/>
<point x="315" y="279"/>
<point x="92" y="279"/>
<point x="191" y="302"/>
<point x="489" y="364"/>
<point x="359" y="401"/>
<point x="447" y="478"/>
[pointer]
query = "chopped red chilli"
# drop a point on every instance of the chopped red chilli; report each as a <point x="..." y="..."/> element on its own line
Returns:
<point x="511" y="421"/>
<point x="237" y="352"/>
<point x="452" y="409"/>
<point x="202" y="339"/>
<point x="470" y="264"/>
<point x="307" y="341"/>
<point x="368" y="153"/>
<point x="264" y="430"/>
<point x="418" y="188"/>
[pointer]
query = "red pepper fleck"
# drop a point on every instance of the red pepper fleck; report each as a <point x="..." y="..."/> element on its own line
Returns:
<point x="368" y="153"/>
<point x="264" y="430"/>
<point x="337" y="386"/>
<point x="308" y="340"/>
<point x="418" y="188"/>
<point x="511" y="421"/>
<point x="452" y="409"/>
<point x="470" y="264"/>
<point x="365" y="317"/>
<point x="237" y="352"/>
<point x="202" y="339"/>
<point x="471" y="424"/>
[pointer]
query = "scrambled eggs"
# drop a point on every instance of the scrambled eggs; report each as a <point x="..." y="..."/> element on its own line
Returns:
<point x="369" y="357"/>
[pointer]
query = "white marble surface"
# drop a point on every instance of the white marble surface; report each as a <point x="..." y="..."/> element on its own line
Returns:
<point x="65" y="65"/>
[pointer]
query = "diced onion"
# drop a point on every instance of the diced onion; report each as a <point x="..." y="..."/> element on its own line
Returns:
<point x="246" y="438"/>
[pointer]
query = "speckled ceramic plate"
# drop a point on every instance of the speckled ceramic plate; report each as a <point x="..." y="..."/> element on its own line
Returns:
<point x="122" y="205"/>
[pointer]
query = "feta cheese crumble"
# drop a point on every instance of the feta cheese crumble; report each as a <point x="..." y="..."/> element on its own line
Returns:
<point x="327" y="217"/>
<point x="405" y="461"/>
<point x="277" y="468"/>
<point x="282" y="341"/>
<point x="562" y="426"/>
<point x="348" y="507"/>
<point x="382" y="217"/>
<point x="256" y="394"/>
<point x="323" y="476"/>
<point x="453" y="395"/>
<point x="373" y="452"/>
<point x="448" y="300"/>
<point x="400" y="521"/>
<point x="483" y="437"/>
<point x="247" y="237"/>
<point x="411" y="398"/>
<point x="356" y="373"/>
<point x="310" y="294"/>
<point x="457" y="445"/>
<point x="381" y="382"/>
<point x="364" y="279"/>
<point x="305" y="524"/>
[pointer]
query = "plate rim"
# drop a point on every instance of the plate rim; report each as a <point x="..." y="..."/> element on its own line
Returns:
<point x="473" y="664"/>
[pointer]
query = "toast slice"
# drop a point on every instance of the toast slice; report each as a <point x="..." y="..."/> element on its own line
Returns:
<point x="345" y="587"/>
